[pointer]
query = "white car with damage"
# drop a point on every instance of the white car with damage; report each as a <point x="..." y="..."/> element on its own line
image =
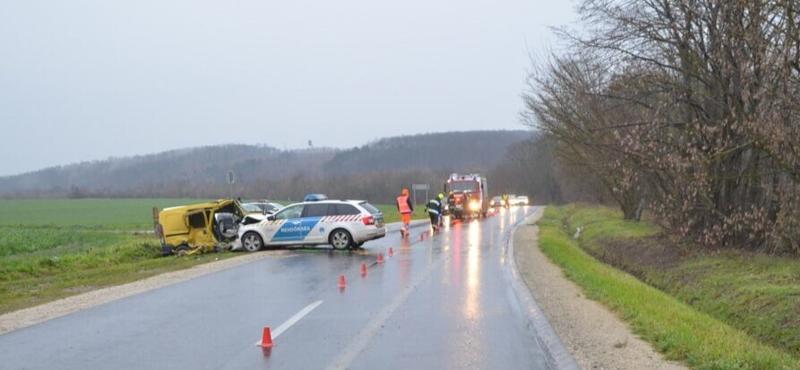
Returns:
<point x="340" y="223"/>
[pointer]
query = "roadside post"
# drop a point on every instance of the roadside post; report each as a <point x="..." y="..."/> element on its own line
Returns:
<point x="420" y="187"/>
<point x="231" y="180"/>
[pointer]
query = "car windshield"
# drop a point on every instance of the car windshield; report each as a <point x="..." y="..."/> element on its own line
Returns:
<point x="252" y="207"/>
<point x="461" y="186"/>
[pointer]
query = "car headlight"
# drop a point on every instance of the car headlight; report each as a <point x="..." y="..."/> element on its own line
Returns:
<point x="474" y="205"/>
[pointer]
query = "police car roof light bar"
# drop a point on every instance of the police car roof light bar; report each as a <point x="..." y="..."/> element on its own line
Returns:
<point x="314" y="197"/>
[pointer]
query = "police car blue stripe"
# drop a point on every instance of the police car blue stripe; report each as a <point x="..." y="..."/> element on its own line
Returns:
<point x="296" y="229"/>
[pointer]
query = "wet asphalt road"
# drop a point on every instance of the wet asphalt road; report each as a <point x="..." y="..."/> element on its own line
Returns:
<point x="443" y="302"/>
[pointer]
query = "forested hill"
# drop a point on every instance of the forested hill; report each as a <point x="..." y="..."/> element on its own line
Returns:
<point x="448" y="151"/>
<point x="180" y="172"/>
<point x="200" y="172"/>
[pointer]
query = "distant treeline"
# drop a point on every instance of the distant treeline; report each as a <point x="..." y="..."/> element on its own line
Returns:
<point x="375" y="171"/>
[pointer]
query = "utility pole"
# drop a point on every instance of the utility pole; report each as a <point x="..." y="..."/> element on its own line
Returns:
<point x="231" y="180"/>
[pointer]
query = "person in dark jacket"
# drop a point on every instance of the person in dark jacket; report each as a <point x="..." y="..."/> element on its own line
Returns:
<point x="434" y="209"/>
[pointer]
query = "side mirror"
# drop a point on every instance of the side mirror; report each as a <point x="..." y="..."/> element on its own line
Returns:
<point x="271" y="218"/>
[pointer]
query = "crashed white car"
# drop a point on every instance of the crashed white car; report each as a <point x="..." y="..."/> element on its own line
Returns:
<point x="340" y="223"/>
<point x="261" y="207"/>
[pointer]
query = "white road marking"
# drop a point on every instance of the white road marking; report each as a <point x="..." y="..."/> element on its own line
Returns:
<point x="293" y="320"/>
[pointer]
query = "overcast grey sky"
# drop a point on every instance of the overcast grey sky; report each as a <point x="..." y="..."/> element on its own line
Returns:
<point x="84" y="80"/>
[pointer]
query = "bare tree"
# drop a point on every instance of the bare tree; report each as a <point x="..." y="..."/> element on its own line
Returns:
<point x="569" y="100"/>
<point x="701" y="101"/>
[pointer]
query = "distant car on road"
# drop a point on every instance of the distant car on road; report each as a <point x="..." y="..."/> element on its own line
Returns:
<point x="519" y="200"/>
<point x="262" y="207"/>
<point x="340" y="223"/>
<point x="496" y="201"/>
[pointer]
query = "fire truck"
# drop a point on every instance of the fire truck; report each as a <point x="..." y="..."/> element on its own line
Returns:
<point x="467" y="196"/>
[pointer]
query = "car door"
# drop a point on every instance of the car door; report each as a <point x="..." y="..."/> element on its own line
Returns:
<point x="285" y="228"/>
<point x="312" y="215"/>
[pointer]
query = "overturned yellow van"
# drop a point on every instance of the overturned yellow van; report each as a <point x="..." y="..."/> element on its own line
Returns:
<point x="197" y="228"/>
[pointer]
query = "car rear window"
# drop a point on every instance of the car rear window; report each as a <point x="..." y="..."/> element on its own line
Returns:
<point x="370" y="208"/>
<point x="341" y="209"/>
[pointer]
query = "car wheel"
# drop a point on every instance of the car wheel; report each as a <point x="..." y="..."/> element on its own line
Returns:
<point x="252" y="242"/>
<point x="340" y="239"/>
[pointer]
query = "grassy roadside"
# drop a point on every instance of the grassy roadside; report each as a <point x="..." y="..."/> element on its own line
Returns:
<point x="73" y="260"/>
<point x="54" y="248"/>
<point x="675" y="328"/>
<point x="390" y="213"/>
<point x="754" y="292"/>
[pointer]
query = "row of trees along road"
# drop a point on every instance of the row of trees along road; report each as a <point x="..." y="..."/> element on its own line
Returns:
<point x="688" y="108"/>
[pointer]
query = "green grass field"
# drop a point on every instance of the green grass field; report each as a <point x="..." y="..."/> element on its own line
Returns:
<point x="52" y="248"/>
<point x="119" y="214"/>
<point x="390" y="213"/>
<point x="131" y="214"/>
<point x="715" y="311"/>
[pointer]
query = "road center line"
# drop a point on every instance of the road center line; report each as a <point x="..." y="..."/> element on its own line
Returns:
<point x="293" y="320"/>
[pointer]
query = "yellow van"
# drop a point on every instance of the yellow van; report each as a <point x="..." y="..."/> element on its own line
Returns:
<point x="197" y="228"/>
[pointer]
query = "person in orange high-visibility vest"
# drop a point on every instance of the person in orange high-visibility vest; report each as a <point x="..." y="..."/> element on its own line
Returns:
<point x="405" y="208"/>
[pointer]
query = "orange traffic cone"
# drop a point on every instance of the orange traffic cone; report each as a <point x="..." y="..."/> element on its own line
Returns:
<point x="391" y="252"/>
<point x="380" y="257"/>
<point x="342" y="281"/>
<point x="266" y="338"/>
<point x="363" y="269"/>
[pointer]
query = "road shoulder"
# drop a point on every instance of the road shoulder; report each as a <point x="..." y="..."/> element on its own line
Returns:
<point x="596" y="338"/>
<point x="33" y="315"/>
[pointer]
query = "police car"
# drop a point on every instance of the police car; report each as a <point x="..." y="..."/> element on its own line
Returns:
<point x="340" y="223"/>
